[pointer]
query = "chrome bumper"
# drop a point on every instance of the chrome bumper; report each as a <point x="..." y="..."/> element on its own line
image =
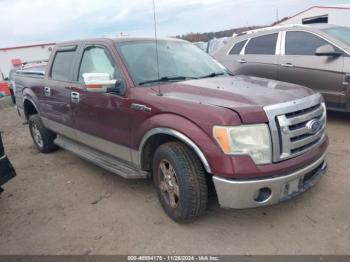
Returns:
<point x="255" y="193"/>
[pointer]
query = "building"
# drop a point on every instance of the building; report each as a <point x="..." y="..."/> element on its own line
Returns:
<point x="335" y="14"/>
<point x="11" y="57"/>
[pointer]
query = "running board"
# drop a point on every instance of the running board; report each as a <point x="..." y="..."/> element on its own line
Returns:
<point x="100" y="159"/>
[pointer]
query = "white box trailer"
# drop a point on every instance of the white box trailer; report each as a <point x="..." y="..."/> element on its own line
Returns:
<point x="335" y="14"/>
<point x="12" y="56"/>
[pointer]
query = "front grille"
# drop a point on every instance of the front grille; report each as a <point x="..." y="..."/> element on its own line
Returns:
<point x="291" y="126"/>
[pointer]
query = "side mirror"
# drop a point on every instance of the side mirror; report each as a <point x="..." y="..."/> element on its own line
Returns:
<point x="327" y="50"/>
<point x="100" y="83"/>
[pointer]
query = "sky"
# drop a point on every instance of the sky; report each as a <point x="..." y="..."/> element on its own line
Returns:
<point x="45" y="21"/>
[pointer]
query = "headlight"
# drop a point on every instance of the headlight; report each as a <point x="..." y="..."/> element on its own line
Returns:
<point x="252" y="140"/>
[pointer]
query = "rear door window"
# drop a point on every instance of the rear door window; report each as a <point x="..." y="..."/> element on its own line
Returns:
<point x="62" y="66"/>
<point x="262" y="45"/>
<point x="237" y="48"/>
<point x="303" y="43"/>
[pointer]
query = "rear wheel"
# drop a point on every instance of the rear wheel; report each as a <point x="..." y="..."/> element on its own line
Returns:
<point x="180" y="181"/>
<point x="42" y="137"/>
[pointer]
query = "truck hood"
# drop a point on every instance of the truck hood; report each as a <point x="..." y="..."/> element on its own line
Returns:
<point x="244" y="94"/>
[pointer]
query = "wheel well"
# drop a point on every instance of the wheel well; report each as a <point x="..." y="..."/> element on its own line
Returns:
<point x="150" y="148"/>
<point x="29" y="109"/>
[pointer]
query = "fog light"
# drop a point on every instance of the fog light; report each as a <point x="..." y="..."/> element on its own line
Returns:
<point x="262" y="195"/>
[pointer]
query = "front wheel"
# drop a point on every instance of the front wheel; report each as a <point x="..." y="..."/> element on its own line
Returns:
<point x="180" y="181"/>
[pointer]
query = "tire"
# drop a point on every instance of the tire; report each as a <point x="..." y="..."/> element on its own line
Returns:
<point x="183" y="196"/>
<point x="42" y="137"/>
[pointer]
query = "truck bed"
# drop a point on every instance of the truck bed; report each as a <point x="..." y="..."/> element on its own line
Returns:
<point x="26" y="79"/>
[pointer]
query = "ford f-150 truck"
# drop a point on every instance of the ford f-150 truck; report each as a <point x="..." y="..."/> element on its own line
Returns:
<point x="164" y="109"/>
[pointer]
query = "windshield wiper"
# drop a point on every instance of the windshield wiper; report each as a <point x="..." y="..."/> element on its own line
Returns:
<point x="167" y="79"/>
<point x="214" y="74"/>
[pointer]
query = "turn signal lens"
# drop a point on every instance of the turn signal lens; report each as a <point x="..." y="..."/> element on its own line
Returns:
<point x="221" y="136"/>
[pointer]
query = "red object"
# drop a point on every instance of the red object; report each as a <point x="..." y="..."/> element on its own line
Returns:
<point x="4" y="88"/>
<point x="16" y="62"/>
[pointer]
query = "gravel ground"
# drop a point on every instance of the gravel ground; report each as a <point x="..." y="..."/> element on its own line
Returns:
<point x="60" y="204"/>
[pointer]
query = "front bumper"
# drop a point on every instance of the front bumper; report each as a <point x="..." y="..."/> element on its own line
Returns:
<point x="7" y="172"/>
<point x="262" y="192"/>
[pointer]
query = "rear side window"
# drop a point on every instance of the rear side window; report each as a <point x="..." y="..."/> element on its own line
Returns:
<point x="262" y="45"/>
<point x="303" y="43"/>
<point x="236" y="49"/>
<point x="62" y="66"/>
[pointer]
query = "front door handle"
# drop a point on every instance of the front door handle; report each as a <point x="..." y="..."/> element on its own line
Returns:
<point x="47" y="91"/>
<point x="287" y="65"/>
<point x="75" y="97"/>
<point x="242" y="61"/>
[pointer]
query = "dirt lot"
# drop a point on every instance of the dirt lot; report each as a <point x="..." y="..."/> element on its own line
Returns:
<point x="60" y="204"/>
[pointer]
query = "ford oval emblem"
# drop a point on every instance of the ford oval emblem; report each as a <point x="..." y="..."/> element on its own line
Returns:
<point x="313" y="126"/>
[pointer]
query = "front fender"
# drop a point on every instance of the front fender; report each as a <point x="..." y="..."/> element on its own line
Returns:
<point x="202" y="143"/>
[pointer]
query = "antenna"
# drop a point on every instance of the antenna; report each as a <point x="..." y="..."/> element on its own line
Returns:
<point x="156" y="39"/>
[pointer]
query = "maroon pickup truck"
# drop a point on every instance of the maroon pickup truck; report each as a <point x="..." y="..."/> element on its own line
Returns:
<point x="166" y="110"/>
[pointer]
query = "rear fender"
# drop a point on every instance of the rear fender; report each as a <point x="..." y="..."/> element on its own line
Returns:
<point x="29" y="96"/>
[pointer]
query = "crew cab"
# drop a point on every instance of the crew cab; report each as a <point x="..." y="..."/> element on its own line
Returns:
<point x="7" y="172"/>
<point x="166" y="110"/>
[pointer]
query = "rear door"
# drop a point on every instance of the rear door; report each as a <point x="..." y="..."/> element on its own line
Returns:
<point x="259" y="58"/>
<point x="56" y="93"/>
<point x="300" y="65"/>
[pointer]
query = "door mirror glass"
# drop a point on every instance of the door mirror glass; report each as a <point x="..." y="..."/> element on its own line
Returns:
<point x="327" y="50"/>
<point x="99" y="82"/>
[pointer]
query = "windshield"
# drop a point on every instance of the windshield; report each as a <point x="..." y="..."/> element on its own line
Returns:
<point x="178" y="61"/>
<point x="340" y="33"/>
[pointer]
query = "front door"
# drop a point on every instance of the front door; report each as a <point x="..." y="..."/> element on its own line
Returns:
<point x="300" y="65"/>
<point x="101" y="119"/>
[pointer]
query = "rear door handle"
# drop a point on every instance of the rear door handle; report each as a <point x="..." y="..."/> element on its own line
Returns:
<point x="242" y="61"/>
<point x="287" y="65"/>
<point x="75" y="97"/>
<point x="47" y="91"/>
